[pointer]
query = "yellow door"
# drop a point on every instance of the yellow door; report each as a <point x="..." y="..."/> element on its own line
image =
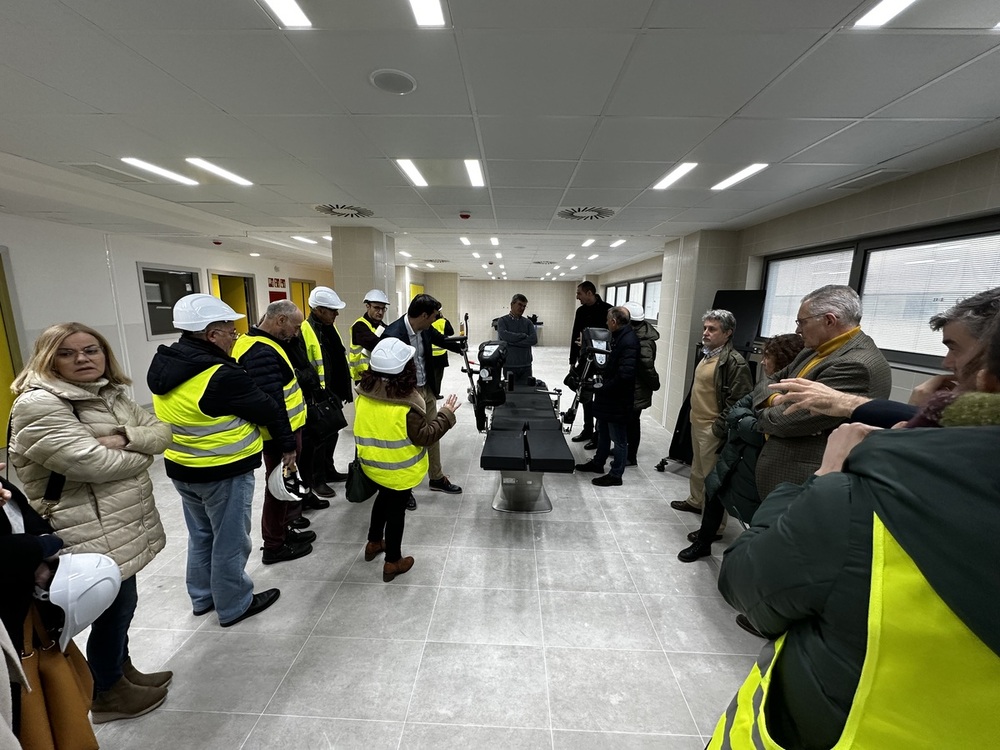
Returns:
<point x="300" y="294"/>
<point x="415" y="289"/>
<point x="10" y="359"/>
<point x="233" y="290"/>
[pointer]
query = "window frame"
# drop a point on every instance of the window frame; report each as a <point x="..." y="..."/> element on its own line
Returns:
<point x="626" y="287"/>
<point x="141" y="268"/>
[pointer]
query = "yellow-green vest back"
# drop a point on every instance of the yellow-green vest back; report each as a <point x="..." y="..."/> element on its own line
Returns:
<point x="314" y="351"/>
<point x="295" y="404"/>
<point x="357" y="356"/>
<point x="437" y="351"/>
<point x="385" y="452"/>
<point x="198" y="439"/>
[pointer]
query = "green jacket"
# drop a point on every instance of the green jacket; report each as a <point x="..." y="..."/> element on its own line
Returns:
<point x="732" y="382"/>
<point x="804" y="567"/>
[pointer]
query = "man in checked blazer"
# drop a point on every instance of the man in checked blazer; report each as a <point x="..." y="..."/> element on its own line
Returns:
<point x="837" y="354"/>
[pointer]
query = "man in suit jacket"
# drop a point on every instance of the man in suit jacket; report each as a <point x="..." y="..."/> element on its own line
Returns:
<point x="836" y="354"/>
<point x="415" y="329"/>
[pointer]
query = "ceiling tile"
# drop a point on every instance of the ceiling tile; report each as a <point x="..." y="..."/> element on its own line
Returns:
<point x="540" y="174"/>
<point x="306" y="137"/>
<point x="551" y="14"/>
<point x="762" y="15"/>
<point x="528" y="196"/>
<point x="766" y="141"/>
<point x="547" y="138"/>
<point x="971" y="91"/>
<point x="872" y="141"/>
<point x="421" y="137"/>
<point x="663" y="139"/>
<point x="187" y="15"/>
<point x="617" y="174"/>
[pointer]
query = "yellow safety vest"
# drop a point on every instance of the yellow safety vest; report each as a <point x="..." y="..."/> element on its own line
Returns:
<point x="357" y="357"/>
<point x="928" y="682"/>
<point x="385" y="452"/>
<point x="295" y="403"/>
<point x="198" y="439"/>
<point x="437" y="351"/>
<point x="314" y="351"/>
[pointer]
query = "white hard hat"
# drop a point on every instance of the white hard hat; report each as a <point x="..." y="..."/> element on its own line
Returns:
<point x="83" y="587"/>
<point x="635" y="311"/>
<point x="376" y="295"/>
<point x="195" y="312"/>
<point x="390" y="356"/>
<point x="284" y="485"/>
<point x="324" y="296"/>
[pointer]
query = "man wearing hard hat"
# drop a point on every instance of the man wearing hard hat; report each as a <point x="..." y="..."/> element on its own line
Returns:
<point x="213" y="408"/>
<point x="366" y="331"/>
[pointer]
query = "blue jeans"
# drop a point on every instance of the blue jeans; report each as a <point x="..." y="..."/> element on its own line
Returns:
<point x="218" y="521"/>
<point x="107" y="646"/>
<point x="608" y="432"/>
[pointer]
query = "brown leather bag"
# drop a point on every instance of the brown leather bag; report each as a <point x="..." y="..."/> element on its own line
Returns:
<point x="54" y="713"/>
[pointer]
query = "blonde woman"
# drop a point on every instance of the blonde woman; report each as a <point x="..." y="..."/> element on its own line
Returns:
<point x="72" y="417"/>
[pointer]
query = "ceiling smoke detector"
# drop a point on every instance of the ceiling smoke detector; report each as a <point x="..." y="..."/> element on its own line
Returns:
<point x="586" y="213"/>
<point x="394" y="82"/>
<point x="345" y="212"/>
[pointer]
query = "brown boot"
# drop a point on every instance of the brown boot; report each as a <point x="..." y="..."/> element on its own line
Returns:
<point x="392" y="569"/>
<point x="125" y="701"/>
<point x="153" y="679"/>
<point x="373" y="550"/>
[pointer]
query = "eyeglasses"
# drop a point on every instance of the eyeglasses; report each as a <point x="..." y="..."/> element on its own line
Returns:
<point x="800" y="321"/>
<point x="232" y="334"/>
<point x="379" y="308"/>
<point x="89" y="352"/>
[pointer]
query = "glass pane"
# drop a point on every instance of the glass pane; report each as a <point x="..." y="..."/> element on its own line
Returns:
<point x="635" y="292"/>
<point x="652" y="305"/>
<point x="609" y="295"/>
<point x="162" y="287"/>
<point x="791" y="279"/>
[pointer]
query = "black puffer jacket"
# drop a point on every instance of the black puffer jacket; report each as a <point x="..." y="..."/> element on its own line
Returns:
<point x="646" y="378"/>
<point x="732" y="480"/>
<point x="613" y="400"/>
<point x="270" y="372"/>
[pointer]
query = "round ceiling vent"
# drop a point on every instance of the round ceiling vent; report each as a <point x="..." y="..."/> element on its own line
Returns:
<point x="344" y="212"/>
<point x="393" y="81"/>
<point x="586" y="213"/>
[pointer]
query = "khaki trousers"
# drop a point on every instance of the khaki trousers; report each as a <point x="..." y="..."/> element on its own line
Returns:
<point x="706" y="446"/>
<point x="434" y="451"/>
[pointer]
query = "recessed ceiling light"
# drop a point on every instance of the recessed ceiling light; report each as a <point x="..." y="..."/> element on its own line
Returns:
<point x="412" y="172"/>
<point x="328" y="238"/>
<point x="882" y="13"/>
<point x="541" y="278"/>
<point x="563" y="273"/>
<point x="405" y="254"/>
<point x="571" y="256"/>
<point x="427" y="12"/>
<point x="485" y="266"/>
<point x="289" y="14"/>
<point x="675" y="174"/>
<point x="588" y="243"/>
<point x="739" y="176"/>
<point x="501" y="265"/>
<point x="254" y="255"/>
<point x="159" y="170"/>
<point x="216" y="170"/>
<point x="429" y="265"/>
<point x="617" y="243"/>
<point x="573" y="268"/>
<point x="475" y="255"/>
<point x="499" y="255"/>
<point x="475" y="171"/>
<point x="549" y="273"/>
<point x="412" y="265"/>
<point x="592" y="257"/>
<point x="304" y="239"/>
<point x="555" y="268"/>
<point x="464" y="241"/>
<point x="494" y="241"/>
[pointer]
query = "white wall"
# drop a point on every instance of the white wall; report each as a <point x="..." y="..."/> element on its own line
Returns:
<point x="554" y="302"/>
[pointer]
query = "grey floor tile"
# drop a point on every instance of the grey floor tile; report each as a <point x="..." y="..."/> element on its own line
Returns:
<point x="304" y="733"/>
<point x="709" y="682"/>
<point x="499" y="616"/>
<point x="665" y="574"/>
<point x="166" y="729"/>
<point x="469" y="567"/>
<point x="379" y="611"/>
<point x="500" y="686"/>
<point x="601" y="570"/>
<point x="573" y="535"/>
<point x="328" y="562"/>
<point x="428" y="565"/>
<point x="164" y="603"/>
<point x="640" y="508"/>
<point x="598" y="621"/>
<point x="430" y="530"/>
<point x="500" y="532"/>
<point x="621" y="741"/>
<point x="444" y="737"/>
<point x="699" y="624"/>
<point x="349" y="678"/>
<point x="615" y="691"/>
<point x="655" y="538"/>
<point x="295" y="613"/>
<point x="149" y="648"/>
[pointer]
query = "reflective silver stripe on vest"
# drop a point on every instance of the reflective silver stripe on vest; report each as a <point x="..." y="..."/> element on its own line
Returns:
<point x="317" y="363"/>
<point x="394" y="465"/>
<point x="764" y="660"/>
<point x="291" y="390"/>
<point x="222" y="450"/>
<point x="376" y="443"/>
<point x="203" y="431"/>
<point x="296" y="410"/>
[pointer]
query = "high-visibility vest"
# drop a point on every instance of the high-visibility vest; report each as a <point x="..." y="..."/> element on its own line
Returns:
<point x="314" y="351"/>
<point x="437" y="351"/>
<point x="198" y="439"/>
<point x="358" y="356"/>
<point x="386" y="454"/>
<point x="295" y="403"/>
<point x="927" y="683"/>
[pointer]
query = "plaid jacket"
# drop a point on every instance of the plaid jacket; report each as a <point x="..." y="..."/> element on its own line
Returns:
<point x="795" y="444"/>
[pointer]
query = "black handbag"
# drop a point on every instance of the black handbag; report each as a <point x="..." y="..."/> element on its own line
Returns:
<point x="359" y="485"/>
<point x="325" y="417"/>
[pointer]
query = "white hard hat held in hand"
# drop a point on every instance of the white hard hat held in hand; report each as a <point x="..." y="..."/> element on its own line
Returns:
<point x="85" y="584"/>
<point x="376" y="295"/>
<point x="284" y="485"/>
<point x="324" y="296"/>
<point x="195" y="312"/>
<point x="390" y="356"/>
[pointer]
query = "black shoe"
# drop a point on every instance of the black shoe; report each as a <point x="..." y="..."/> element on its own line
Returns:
<point x="258" y="604"/>
<point x="591" y="446"/>
<point x="324" y="490"/>
<point x="286" y="552"/>
<point x="583" y="436"/>
<point x="200" y="612"/>
<point x="299" y="523"/>
<point x="685" y="506"/>
<point x="444" y="485"/>
<point x="591" y="467"/>
<point x="661" y="465"/>
<point x="744" y="623"/>
<point x="294" y="536"/>
<point x="337" y="476"/>
<point x="693" y="536"/>
<point x="632" y="462"/>
<point x="608" y="480"/>
<point x="411" y="504"/>
<point x="696" y="550"/>
<point x="311" y="502"/>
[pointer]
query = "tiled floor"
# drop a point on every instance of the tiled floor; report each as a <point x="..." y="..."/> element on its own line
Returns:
<point x="574" y="629"/>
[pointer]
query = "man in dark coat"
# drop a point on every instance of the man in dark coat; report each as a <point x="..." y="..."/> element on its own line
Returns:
<point x="592" y="313"/>
<point x="614" y="400"/>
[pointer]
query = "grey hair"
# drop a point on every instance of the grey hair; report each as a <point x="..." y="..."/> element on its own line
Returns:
<point x="723" y="317"/>
<point x="620" y="315"/>
<point x="280" y="307"/>
<point x="518" y="298"/>
<point x="975" y="312"/>
<point x="838" y="299"/>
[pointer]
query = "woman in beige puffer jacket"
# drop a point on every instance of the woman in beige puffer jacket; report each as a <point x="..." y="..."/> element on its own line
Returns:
<point x="73" y="417"/>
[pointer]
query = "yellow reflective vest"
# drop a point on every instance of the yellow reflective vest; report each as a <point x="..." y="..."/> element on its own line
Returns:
<point x="386" y="454"/>
<point x="437" y="351"/>
<point x="358" y="356"/>
<point x="198" y="439"/>
<point x="295" y="403"/>
<point x="927" y="683"/>
<point x="314" y="351"/>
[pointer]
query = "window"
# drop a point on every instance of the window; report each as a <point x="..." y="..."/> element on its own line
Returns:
<point x="652" y="304"/>
<point x="161" y="287"/>
<point x="610" y="295"/>
<point x="788" y="280"/>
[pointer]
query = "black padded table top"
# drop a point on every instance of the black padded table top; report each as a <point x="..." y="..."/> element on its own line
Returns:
<point x="525" y="435"/>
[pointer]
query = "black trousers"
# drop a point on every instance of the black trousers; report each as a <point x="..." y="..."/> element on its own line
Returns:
<point x="633" y="431"/>
<point x="388" y="519"/>
<point x="711" y="519"/>
<point x="316" y="458"/>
